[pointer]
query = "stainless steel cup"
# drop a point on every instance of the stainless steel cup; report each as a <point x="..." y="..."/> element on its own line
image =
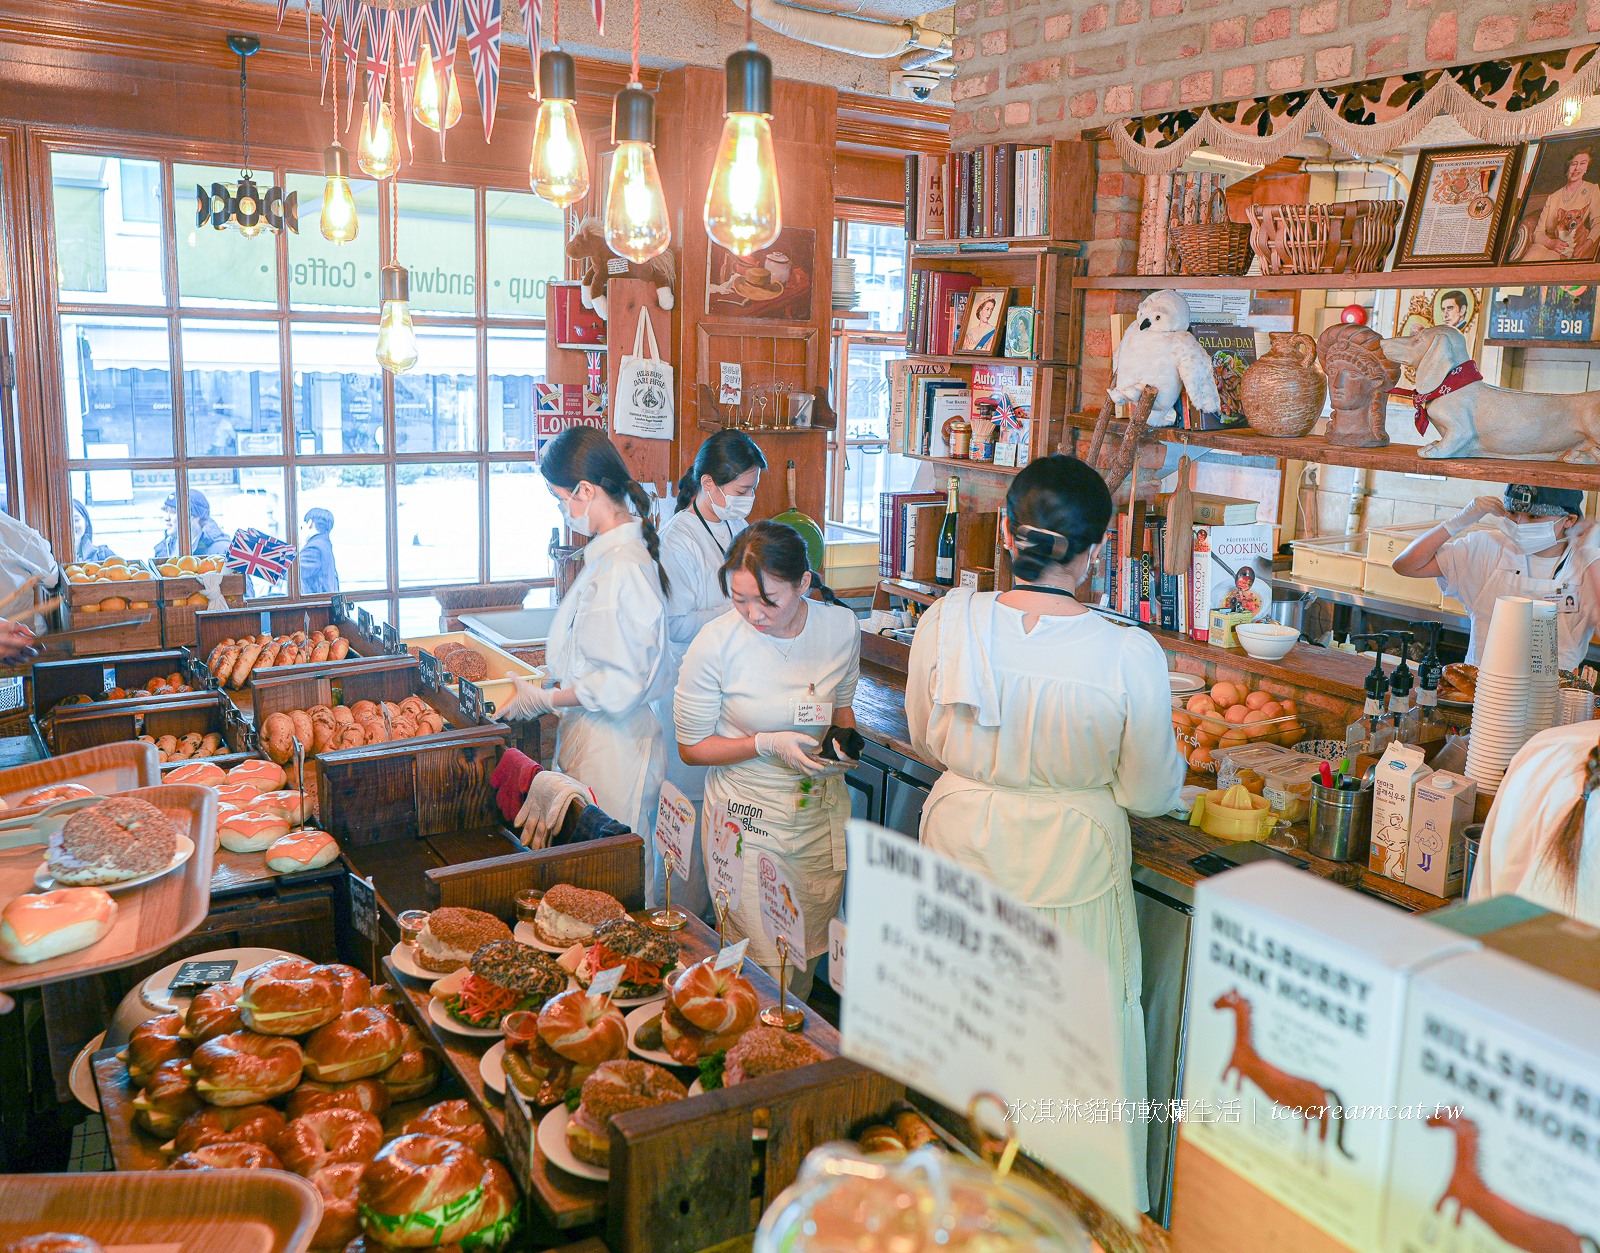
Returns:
<point x="1340" y="823"/>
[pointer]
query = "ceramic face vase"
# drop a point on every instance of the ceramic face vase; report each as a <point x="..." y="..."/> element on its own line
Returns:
<point x="1282" y="393"/>
<point x="1360" y="378"/>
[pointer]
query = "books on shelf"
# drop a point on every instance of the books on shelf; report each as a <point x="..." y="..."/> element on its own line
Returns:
<point x="900" y="372"/>
<point x="925" y="197"/>
<point x="1233" y="351"/>
<point x="1003" y="394"/>
<point x="937" y="304"/>
<point x="993" y="191"/>
<point x="1132" y="582"/>
<point x="1218" y="510"/>
<point x="894" y="532"/>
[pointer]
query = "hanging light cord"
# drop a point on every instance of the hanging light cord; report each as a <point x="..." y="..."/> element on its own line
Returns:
<point x="555" y="24"/>
<point x="244" y="103"/>
<point x="636" y="40"/>
<point x="335" y="59"/>
<point x="749" y="36"/>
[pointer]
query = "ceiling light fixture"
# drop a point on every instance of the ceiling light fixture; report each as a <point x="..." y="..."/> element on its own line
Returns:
<point x="637" y="225"/>
<point x="246" y="206"/>
<point x="558" y="167"/>
<point x="743" y="209"/>
<point x="426" y="101"/>
<point x="339" y="221"/>
<point x="397" y="338"/>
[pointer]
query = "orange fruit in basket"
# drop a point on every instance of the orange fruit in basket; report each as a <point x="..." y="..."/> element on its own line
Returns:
<point x="1235" y="738"/>
<point x="168" y="570"/>
<point x="1214" y="725"/>
<point x="1272" y="710"/>
<point x="1226" y="694"/>
<point x="197" y="601"/>
<point x="1288" y="706"/>
<point x="119" y="574"/>
<point x="77" y="576"/>
<point x="1200" y="703"/>
<point x="211" y="565"/>
<point x="1291" y="735"/>
<point x="112" y="602"/>
<point x="1255" y="700"/>
<point x="1182" y="721"/>
<point x="88" y="608"/>
<point x="188" y="563"/>
<point x="1200" y="759"/>
<point x="1236" y="713"/>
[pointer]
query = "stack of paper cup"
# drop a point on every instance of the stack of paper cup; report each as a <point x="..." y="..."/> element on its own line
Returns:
<point x="1500" y="706"/>
<point x="1545" y="674"/>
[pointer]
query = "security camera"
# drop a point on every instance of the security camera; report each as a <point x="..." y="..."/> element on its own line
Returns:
<point x="917" y="84"/>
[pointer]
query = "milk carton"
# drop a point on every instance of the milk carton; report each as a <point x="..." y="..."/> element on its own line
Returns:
<point x="1399" y="771"/>
<point x="1436" y="853"/>
<point x="1297" y="991"/>
<point x="1499" y="1112"/>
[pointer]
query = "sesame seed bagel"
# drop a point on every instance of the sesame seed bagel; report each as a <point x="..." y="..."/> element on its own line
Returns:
<point x="765" y="1051"/>
<point x="112" y="841"/>
<point x="569" y="915"/>
<point x="616" y="1088"/>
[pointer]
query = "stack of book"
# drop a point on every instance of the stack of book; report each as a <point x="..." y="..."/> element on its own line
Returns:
<point x="924" y="397"/>
<point x="993" y="191"/>
<point x="897" y="530"/>
<point x="937" y="307"/>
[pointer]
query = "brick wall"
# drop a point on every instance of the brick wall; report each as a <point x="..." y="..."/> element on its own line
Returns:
<point x="1036" y="68"/>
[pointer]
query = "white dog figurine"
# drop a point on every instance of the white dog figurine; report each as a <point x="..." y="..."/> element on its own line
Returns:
<point x="1476" y="419"/>
<point x="1159" y="350"/>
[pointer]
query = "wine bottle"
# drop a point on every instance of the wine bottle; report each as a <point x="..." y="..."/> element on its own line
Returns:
<point x="945" y="564"/>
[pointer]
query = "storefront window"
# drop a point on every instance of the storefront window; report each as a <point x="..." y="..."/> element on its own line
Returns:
<point x="342" y="515"/>
<point x="338" y="389"/>
<point x="436" y="404"/>
<point x="437" y="504"/>
<point x="522" y="514"/>
<point x="880" y="256"/>
<point x="516" y="366"/>
<point x="325" y="275"/>
<point x="526" y="252"/>
<point x="102" y="255"/>
<point x="436" y="244"/>
<point x="232" y="404"/>
<point x="118" y="376"/>
<point x="221" y="269"/>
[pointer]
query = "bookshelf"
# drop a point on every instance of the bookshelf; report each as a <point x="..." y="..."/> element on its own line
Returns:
<point x="1453" y="276"/>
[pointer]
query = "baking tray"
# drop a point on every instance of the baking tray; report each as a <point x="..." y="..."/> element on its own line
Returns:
<point x="184" y="1211"/>
<point x="149" y="918"/>
<point x="107" y="769"/>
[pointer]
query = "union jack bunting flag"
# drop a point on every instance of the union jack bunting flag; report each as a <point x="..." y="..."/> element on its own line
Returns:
<point x="331" y="9"/>
<point x="444" y="25"/>
<point x="356" y="17"/>
<point x="600" y="16"/>
<point x="376" y="39"/>
<point x="483" y="46"/>
<point x="282" y="5"/>
<point x="408" y="50"/>
<point x="532" y="20"/>
<point x="256" y="553"/>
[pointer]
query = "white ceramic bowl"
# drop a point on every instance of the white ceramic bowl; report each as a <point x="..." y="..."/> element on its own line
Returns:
<point x="1266" y="641"/>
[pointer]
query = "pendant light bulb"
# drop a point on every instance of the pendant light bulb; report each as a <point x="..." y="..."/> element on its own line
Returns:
<point x="339" y="224"/>
<point x="558" y="168"/>
<point x="637" y="225"/>
<point x="378" y="153"/>
<point x="425" y="100"/>
<point x="397" y="339"/>
<point x="743" y="212"/>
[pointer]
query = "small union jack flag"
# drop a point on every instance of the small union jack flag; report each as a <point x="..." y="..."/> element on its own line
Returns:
<point x="331" y="11"/>
<point x="483" y="46"/>
<point x="532" y="20"/>
<point x="600" y="16"/>
<point x="353" y="32"/>
<point x="379" y="32"/>
<point x="444" y="25"/>
<point x="256" y="553"/>
<point x="408" y="51"/>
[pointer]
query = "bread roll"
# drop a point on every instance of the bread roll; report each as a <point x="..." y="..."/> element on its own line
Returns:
<point x="35" y="928"/>
<point x="243" y="667"/>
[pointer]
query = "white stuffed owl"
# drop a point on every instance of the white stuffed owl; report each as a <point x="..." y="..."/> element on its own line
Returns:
<point x="1158" y="350"/>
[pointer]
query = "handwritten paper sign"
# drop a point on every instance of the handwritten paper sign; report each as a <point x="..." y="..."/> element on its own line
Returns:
<point x="724" y="854"/>
<point x="605" y="983"/>
<point x="780" y="907"/>
<point x="195" y="976"/>
<point x="836" y="938"/>
<point x="364" y="907"/>
<point x="732" y="957"/>
<point x="1023" y="1009"/>
<point x="675" y="830"/>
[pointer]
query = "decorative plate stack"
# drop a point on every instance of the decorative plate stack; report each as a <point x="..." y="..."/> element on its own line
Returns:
<point x="844" y="283"/>
<point x="1500" y="723"/>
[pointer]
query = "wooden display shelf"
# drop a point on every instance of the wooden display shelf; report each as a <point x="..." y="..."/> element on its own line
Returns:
<point x="980" y="359"/>
<point x="993" y="245"/>
<point x="582" y="347"/>
<point x="1542" y="343"/>
<point x="1451" y="276"/>
<point x="961" y="463"/>
<point x="1396" y="458"/>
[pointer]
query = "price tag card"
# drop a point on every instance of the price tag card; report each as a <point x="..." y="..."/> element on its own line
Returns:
<point x="338" y="610"/>
<point x="732" y="957"/>
<point x="364" y="622"/>
<point x="428" y="666"/>
<point x="364" y="907"/>
<point x="471" y="699"/>
<point x="675" y="830"/>
<point x="724" y="854"/>
<point x="391" y="639"/>
<point x="732" y="383"/>
<point x="781" y="913"/>
<point x="836" y="937"/>
<point x="1024" y="1011"/>
<point x="605" y="983"/>
<point x="196" y="976"/>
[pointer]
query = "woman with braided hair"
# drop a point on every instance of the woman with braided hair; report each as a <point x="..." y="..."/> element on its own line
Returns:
<point x="607" y="651"/>
<point x="1536" y="842"/>
<point x="1051" y="723"/>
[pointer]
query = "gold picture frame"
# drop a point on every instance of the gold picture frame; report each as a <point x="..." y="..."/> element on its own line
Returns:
<point x="983" y="330"/>
<point x="1460" y="200"/>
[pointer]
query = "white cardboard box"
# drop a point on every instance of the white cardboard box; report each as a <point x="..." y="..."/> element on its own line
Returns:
<point x="1297" y="991"/>
<point x="1506" y="1060"/>
<point x="1436" y="852"/>
<point x="1394" y="787"/>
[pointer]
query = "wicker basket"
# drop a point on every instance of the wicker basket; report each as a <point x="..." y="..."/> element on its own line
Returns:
<point x="1213" y="249"/>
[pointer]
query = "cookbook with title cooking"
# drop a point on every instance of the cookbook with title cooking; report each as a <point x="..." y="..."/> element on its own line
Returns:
<point x="1506" y="1060"/>
<point x="1296" y="998"/>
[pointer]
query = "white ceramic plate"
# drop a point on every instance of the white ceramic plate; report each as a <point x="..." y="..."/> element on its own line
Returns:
<point x="156" y="991"/>
<point x="45" y="881"/>
<point x="405" y="961"/>
<point x="756" y="1133"/>
<point x="492" y="1070"/>
<point x="636" y="1019"/>
<point x="441" y="1015"/>
<point x="552" y="1137"/>
<point x="525" y="934"/>
<point x="628" y="1002"/>
<point x="81" y="1078"/>
<point x="1182" y="683"/>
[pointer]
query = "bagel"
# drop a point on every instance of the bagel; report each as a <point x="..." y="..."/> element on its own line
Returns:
<point x="229" y="1155"/>
<point x="42" y="925"/>
<point x="265" y="775"/>
<point x="421" y="1190"/>
<point x="616" y="1088"/>
<point x="340" y="1186"/>
<point x="244" y="1068"/>
<point x="327" y="1136"/>
<point x="250" y="831"/>
<point x="276" y="736"/>
<point x="111" y="841"/>
<point x="358" y="1043"/>
<point x="765" y="1051"/>
<point x="495" y="1221"/>
<point x="55" y="792"/>
<point x="706" y="1011"/>
<point x="306" y="849"/>
<point x="324" y="736"/>
<point x="167" y="1098"/>
<point x="453" y="934"/>
<point x="355" y="989"/>
<point x="289" y="802"/>
<point x="214" y="1011"/>
<point x="583" y="1028"/>
<point x="458" y="1121"/>
<point x="365" y="1096"/>
<point x="200" y="773"/>
<point x="251" y="1124"/>
<point x="153" y="1041"/>
<point x="569" y="915"/>
<point x="290" y="996"/>
<point x="415" y="1071"/>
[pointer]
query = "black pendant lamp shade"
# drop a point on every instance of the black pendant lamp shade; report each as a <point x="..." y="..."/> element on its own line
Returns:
<point x="558" y="76"/>
<point x="633" y="116"/>
<point x="749" y="82"/>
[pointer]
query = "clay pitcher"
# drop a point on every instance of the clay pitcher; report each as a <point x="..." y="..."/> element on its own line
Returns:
<point x="1282" y="393"/>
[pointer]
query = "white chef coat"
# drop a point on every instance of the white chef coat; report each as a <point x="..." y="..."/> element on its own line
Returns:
<point x="1478" y="566"/>
<point x="23" y="554"/>
<point x="736" y="681"/>
<point x="1047" y="737"/>
<point x="609" y="642"/>
<point x="1531" y="806"/>
<point x="692" y="550"/>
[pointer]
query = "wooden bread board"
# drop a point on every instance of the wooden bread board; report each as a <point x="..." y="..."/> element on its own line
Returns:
<point x="186" y="1211"/>
<point x="149" y="917"/>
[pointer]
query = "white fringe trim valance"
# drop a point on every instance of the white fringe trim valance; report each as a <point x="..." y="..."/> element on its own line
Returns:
<point x="1486" y="122"/>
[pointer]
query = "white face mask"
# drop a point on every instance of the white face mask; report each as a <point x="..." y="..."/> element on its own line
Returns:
<point x="1529" y="537"/>
<point x="578" y="523"/>
<point x="733" y="508"/>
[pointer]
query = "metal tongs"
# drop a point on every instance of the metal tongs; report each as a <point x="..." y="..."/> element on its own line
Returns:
<point x="38" y="828"/>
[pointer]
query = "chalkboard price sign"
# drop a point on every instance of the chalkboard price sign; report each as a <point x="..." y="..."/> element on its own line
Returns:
<point x="196" y="976"/>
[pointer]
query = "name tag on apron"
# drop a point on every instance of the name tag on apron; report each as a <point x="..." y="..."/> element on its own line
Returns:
<point x="1564" y="598"/>
<point x="811" y="713"/>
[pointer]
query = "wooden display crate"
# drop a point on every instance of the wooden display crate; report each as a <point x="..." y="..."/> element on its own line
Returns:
<point x="56" y="681"/>
<point x="496" y="686"/>
<point x="178" y="617"/>
<point x="80" y="608"/>
<point x="88" y="726"/>
<point x="975" y="541"/>
<point x="212" y="626"/>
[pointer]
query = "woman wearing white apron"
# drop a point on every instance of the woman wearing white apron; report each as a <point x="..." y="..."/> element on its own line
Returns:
<point x="608" y="643"/>
<point x="1539" y="547"/>
<point x="714" y="501"/>
<point x="757" y="691"/>
<point x="1051" y="724"/>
